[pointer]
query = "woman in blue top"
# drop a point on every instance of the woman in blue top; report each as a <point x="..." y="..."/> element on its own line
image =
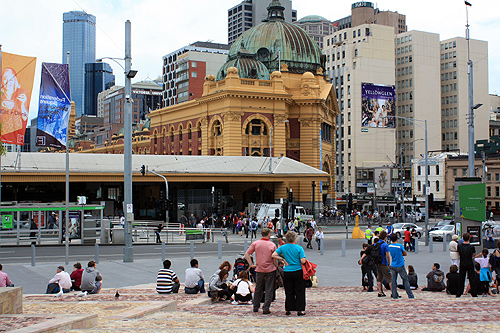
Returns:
<point x="295" y="285"/>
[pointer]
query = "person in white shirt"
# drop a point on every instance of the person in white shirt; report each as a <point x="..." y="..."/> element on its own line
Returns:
<point x="313" y="224"/>
<point x="61" y="282"/>
<point x="194" y="281"/>
<point x="122" y="221"/>
<point x="319" y="238"/>
<point x="244" y="289"/>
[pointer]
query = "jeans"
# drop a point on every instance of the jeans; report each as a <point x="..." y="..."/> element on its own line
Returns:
<point x="200" y="287"/>
<point x="394" y="277"/>
<point x="295" y="291"/>
<point x="490" y="243"/>
<point x="264" y="281"/>
<point x="319" y="243"/>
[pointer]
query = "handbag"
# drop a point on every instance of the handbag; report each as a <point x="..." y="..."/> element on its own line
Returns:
<point x="305" y="240"/>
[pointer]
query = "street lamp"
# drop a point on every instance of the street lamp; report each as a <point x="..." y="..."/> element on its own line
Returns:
<point x="270" y="145"/>
<point x="426" y="186"/>
<point x="127" y="146"/>
<point x="402" y="177"/>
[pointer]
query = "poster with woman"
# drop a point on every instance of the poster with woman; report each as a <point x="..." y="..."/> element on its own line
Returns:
<point x="378" y="106"/>
<point x="17" y="77"/>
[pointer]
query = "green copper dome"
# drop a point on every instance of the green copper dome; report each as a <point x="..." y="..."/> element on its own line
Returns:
<point x="275" y="42"/>
<point x="312" y="19"/>
<point x="248" y="67"/>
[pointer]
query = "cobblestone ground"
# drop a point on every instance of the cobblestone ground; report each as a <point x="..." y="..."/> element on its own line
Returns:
<point x="329" y="309"/>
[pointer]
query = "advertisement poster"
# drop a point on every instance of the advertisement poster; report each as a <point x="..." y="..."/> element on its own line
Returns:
<point x="471" y="201"/>
<point x="18" y="73"/>
<point x="383" y="184"/>
<point x="378" y="106"/>
<point x="75" y="231"/>
<point x="54" y="106"/>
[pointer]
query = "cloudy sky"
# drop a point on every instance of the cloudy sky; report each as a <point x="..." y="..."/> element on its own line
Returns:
<point x="34" y="27"/>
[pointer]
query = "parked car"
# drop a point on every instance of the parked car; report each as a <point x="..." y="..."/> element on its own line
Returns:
<point x="442" y="233"/>
<point x="441" y="224"/>
<point x="400" y="228"/>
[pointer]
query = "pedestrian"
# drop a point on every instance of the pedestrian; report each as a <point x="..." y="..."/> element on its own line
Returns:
<point x="368" y="267"/>
<point x="91" y="280"/>
<point x="484" y="272"/>
<point x="243" y="289"/>
<point x="76" y="277"/>
<point x="407" y="239"/>
<point x="490" y="241"/>
<point x="265" y="270"/>
<point x="369" y="234"/>
<point x="319" y="238"/>
<point x="435" y="279"/>
<point x="158" y="230"/>
<point x="253" y="226"/>
<point x="397" y="266"/>
<point x="495" y="264"/>
<point x="218" y="288"/>
<point x="382" y="258"/>
<point x="4" y="279"/>
<point x="167" y="281"/>
<point x="295" y="286"/>
<point x="412" y="279"/>
<point x="452" y="280"/>
<point x="194" y="279"/>
<point x="192" y="221"/>
<point x="466" y="252"/>
<point x="309" y="235"/>
<point x="60" y="283"/>
<point x="413" y="238"/>
<point x="453" y="247"/>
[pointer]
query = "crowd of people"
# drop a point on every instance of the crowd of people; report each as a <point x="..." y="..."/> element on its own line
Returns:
<point x="382" y="257"/>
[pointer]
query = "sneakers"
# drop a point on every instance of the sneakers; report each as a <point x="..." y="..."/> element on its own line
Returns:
<point x="82" y="294"/>
<point x="59" y="294"/>
<point x="381" y="295"/>
<point x="249" y="303"/>
<point x="234" y="303"/>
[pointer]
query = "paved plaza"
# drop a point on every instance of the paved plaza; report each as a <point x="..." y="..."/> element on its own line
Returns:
<point x="337" y="305"/>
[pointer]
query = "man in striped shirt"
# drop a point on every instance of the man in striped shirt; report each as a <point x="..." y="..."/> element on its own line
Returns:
<point x="167" y="281"/>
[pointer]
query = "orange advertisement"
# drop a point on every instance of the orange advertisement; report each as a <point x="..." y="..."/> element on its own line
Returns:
<point x="18" y="73"/>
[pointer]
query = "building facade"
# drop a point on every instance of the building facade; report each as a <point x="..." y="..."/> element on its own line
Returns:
<point x="79" y="40"/>
<point x="357" y="56"/>
<point x="364" y="12"/>
<point x="250" y="13"/>
<point x="98" y="77"/>
<point x="417" y="86"/>
<point x="317" y="27"/>
<point x="184" y="70"/>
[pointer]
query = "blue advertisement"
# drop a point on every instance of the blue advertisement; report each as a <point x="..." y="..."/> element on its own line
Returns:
<point x="54" y="106"/>
<point x="378" y="106"/>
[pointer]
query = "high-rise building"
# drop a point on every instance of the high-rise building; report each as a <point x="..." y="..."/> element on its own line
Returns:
<point x="98" y="77"/>
<point x="455" y="92"/>
<point x="184" y="70"/>
<point x="363" y="12"/>
<point x="358" y="57"/>
<point x="79" y="40"/>
<point x="417" y="89"/>
<point x="250" y="13"/>
<point x="317" y="27"/>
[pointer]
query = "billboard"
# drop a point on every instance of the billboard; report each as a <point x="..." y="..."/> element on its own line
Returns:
<point x="17" y="74"/>
<point x="471" y="201"/>
<point x="54" y="106"/>
<point x="378" y="106"/>
<point x="383" y="184"/>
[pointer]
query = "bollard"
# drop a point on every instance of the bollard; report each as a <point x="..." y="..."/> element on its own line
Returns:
<point x="321" y="246"/>
<point x="219" y="249"/>
<point x="416" y="246"/>
<point x="163" y="251"/>
<point x="343" y="247"/>
<point x="96" y="253"/>
<point x="33" y="254"/>
<point x="192" y="249"/>
<point x="245" y="245"/>
<point x="444" y="243"/>
<point x="431" y="245"/>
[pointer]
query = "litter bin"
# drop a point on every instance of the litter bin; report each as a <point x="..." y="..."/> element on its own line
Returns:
<point x="118" y="235"/>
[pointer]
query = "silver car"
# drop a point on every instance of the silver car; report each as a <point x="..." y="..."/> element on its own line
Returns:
<point x="442" y="233"/>
<point x="400" y="228"/>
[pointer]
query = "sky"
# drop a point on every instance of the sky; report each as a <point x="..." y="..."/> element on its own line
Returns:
<point x="34" y="27"/>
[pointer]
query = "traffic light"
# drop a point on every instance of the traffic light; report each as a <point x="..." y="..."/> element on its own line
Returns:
<point x="284" y="209"/>
<point x="143" y="170"/>
<point x="349" y="202"/>
<point x="414" y="199"/>
<point x="290" y="196"/>
<point x="277" y="212"/>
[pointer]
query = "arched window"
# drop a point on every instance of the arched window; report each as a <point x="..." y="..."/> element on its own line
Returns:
<point x="437" y="185"/>
<point x="256" y="127"/>
<point x="256" y="136"/>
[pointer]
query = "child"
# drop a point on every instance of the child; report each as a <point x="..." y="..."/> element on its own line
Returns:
<point x="244" y="289"/>
<point x="484" y="272"/>
<point x="452" y="280"/>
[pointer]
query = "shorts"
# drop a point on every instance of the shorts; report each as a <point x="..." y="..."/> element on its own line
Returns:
<point x="383" y="273"/>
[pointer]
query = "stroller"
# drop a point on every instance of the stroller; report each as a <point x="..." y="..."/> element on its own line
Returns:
<point x="241" y="265"/>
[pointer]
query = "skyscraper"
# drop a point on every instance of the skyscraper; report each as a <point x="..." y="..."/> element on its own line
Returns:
<point x="79" y="40"/>
<point x="98" y="77"/>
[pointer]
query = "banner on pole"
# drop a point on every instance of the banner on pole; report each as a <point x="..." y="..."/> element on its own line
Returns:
<point x="54" y="106"/>
<point x="18" y="73"/>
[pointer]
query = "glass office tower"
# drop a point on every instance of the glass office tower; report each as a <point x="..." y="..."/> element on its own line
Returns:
<point x="98" y="77"/>
<point x="79" y="40"/>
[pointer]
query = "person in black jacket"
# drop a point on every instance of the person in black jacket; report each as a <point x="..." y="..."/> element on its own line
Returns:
<point x="452" y="280"/>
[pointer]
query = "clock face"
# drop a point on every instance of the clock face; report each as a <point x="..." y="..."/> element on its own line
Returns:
<point x="263" y="54"/>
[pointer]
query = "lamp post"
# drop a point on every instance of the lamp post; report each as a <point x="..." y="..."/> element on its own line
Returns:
<point x="402" y="178"/>
<point x="270" y="145"/>
<point x="426" y="186"/>
<point x="127" y="146"/>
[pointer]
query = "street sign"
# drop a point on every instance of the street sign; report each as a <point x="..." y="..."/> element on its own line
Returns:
<point x="130" y="208"/>
<point x="7" y="221"/>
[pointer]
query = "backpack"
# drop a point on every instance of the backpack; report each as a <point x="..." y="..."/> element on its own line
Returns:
<point x="376" y="253"/>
